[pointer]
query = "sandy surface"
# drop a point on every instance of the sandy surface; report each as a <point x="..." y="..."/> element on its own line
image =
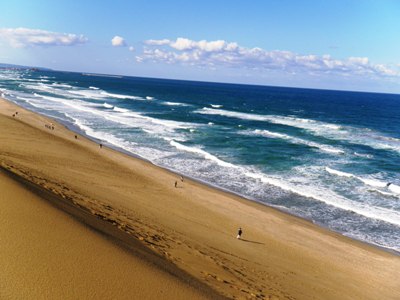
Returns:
<point x="192" y="227"/>
<point x="46" y="254"/>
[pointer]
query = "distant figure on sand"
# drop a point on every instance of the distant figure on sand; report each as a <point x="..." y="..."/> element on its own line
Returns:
<point x="181" y="178"/>
<point x="176" y="183"/>
<point x="101" y="146"/>
<point x="239" y="235"/>
<point x="76" y="137"/>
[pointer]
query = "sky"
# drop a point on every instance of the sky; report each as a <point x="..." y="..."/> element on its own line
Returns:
<point x="341" y="45"/>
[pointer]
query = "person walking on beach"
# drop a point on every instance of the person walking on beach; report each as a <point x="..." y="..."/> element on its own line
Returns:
<point x="182" y="178"/>
<point x="101" y="146"/>
<point x="239" y="235"/>
<point x="176" y="184"/>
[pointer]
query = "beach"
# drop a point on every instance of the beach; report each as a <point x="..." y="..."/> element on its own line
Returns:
<point x="183" y="238"/>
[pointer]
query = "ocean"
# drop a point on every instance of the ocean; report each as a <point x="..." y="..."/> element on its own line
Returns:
<point x="326" y="156"/>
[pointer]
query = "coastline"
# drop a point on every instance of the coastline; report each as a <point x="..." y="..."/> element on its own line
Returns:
<point x="194" y="226"/>
<point x="79" y="131"/>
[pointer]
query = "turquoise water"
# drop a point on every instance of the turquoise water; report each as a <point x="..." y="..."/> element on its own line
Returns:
<point x="323" y="155"/>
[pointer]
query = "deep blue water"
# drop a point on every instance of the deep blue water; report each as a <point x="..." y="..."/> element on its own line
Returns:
<point x="323" y="155"/>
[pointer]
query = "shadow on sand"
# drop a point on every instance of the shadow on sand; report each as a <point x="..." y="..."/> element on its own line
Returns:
<point x="254" y="242"/>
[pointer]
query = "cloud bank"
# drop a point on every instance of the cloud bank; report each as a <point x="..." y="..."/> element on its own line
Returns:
<point x="118" y="41"/>
<point x="25" y="37"/>
<point x="220" y="53"/>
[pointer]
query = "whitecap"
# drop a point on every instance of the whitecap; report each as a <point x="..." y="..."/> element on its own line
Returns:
<point x="106" y="105"/>
<point x="339" y="173"/>
<point x="295" y="140"/>
<point x="203" y="153"/>
<point x="120" y="96"/>
<point x="333" y="199"/>
<point x="119" y="109"/>
<point x="174" y="103"/>
<point x="363" y="136"/>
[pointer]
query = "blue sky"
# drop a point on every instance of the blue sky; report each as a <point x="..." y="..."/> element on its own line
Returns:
<point x="350" y="45"/>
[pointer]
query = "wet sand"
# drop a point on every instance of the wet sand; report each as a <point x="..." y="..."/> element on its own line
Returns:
<point x="187" y="233"/>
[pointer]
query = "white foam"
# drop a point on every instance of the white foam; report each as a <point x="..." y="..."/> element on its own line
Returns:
<point x="89" y="94"/>
<point x="382" y="192"/>
<point x="203" y="153"/>
<point x="339" y="173"/>
<point x="394" y="188"/>
<point x="216" y="105"/>
<point x="106" y="105"/>
<point x="363" y="136"/>
<point x="93" y="88"/>
<point x="174" y="103"/>
<point x="119" y="109"/>
<point x="103" y="136"/>
<point x="62" y="85"/>
<point x="363" y="155"/>
<point x="56" y="99"/>
<point x="368" y="181"/>
<point x="333" y="199"/>
<point x="373" y="182"/>
<point x="149" y="98"/>
<point x="120" y="96"/>
<point x="270" y="134"/>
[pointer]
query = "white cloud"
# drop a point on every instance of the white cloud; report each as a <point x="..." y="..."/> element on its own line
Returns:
<point x="223" y="54"/>
<point x="118" y="41"/>
<point x="157" y="42"/>
<point x="25" y="37"/>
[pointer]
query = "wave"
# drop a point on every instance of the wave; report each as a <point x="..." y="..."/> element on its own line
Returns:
<point x="379" y="213"/>
<point x="119" y="109"/>
<point x="339" y="173"/>
<point x="394" y="188"/>
<point x="363" y="155"/>
<point x="369" y="181"/>
<point x="39" y="87"/>
<point x="129" y="118"/>
<point x="93" y="88"/>
<point x="363" y="136"/>
<point x="203" y="153"/>
<point x="382" y="192"/>
<point x="335" y="200"/>
<point x="174" y="103"/>
<point x="103" y="136"/>
<point x="325" y="148"/>
<point x="49" y="98"/>
<point x="216" y="105"/>
<point x="106" y="105"/>
<point x="149" y="98"/>
<point x="61" y="85"/>
<point x="89" y="94"/>
<point x="120" y="96"/>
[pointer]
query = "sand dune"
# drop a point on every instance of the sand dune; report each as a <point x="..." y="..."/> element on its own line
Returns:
<point x="188" y="231"/>
<point x="46" y="254"/>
